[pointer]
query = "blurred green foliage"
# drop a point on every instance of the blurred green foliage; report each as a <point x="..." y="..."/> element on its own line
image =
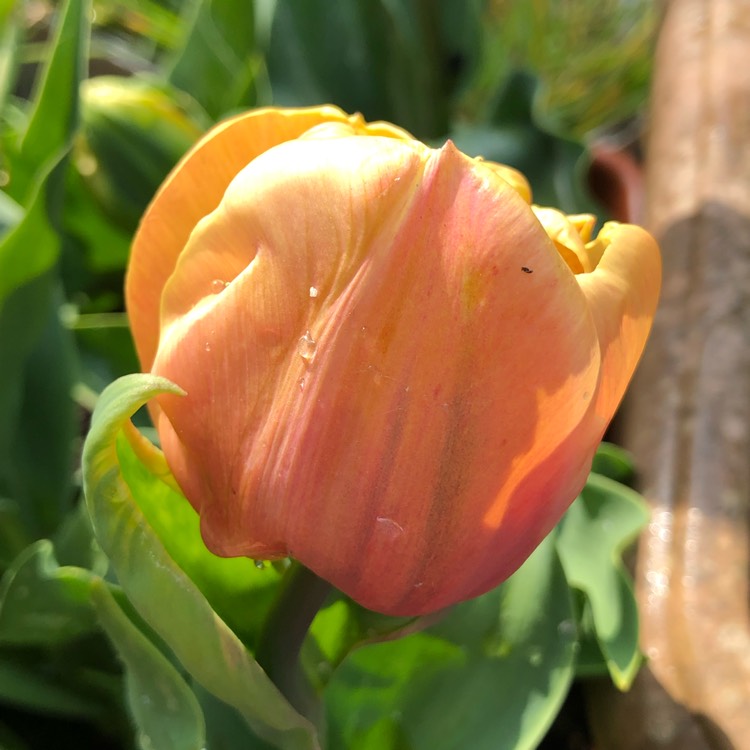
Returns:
<point x="90" y="656"/>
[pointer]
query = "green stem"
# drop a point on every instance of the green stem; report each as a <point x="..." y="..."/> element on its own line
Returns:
<point x="281" y="637"/>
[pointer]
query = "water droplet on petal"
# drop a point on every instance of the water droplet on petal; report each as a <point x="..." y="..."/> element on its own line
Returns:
<point x="207" y="347"/>
<point x="307" y="346"/>
<point x="217" y="286"/>
<point x="391" y="527"/>
<point x="301" y="384"/>
<point x="313" y="291"/>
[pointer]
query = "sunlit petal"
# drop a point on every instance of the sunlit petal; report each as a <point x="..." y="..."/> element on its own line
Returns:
<point x="622" y="293"/>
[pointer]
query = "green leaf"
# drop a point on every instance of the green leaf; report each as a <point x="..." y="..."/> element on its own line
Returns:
<point x="27" y="685"/>
<point x="31" y="247"/>
<point x="614" y="463"/>
<point x="133" y="131"/>
<point x="10" y="31"/>
<point x="595" y="530"/>
<point x="42" y="603"/>
<point x="74" y="543"/>
<point x="105" y="347"/>
<point x="41" y="451"/>
<point x="494" y="672"/>
<point x="554" y="167"/>
<point x="23" y="319"/>
<point x="218" y="61"/>
<point x="9" y="741"/>
<point x="54" y="117"/>
<point x="229" y="584"/>
<point x="10" y="213"/>
<point x="165" y="709"/>
<point x="387" y="60"/>
<point x="14" y="537"/>
<point x="160" y="590"/>
<point x="341" y="626"/>
<point x="225" y="728"/>
<point x="101" y="245"/>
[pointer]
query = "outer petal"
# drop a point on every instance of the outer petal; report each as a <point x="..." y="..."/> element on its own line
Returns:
<point x="622" y="293"/>
<point x="194" y="189"/>
<point x="383" y="390"/>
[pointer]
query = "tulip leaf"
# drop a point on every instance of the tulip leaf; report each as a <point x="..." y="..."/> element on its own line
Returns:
<point x="229" y="584"/>
<point x="33" y="685"/>
<point x="38" y="420"/>
<point x="42" y="449"/>
<point x="161" y="591"/>
<point x="553" y="166"/>
<point x="9" y="740"/>
<point x="37" y="364"/>
<point x="133" y="130"/>
<point x="54" y="117"/>
<point x="164" y="707"/>
<point x="494" y="672"/>
<point x="388" y="60"/>
<point x="11" y="213"/>
<point x="31" y="247"/>
<point x="599" y="525"/>
<point x="218" y="62"/>
<point x="10" y="27"/>
<point x="74" y="543"/>
<point x="105" y="347"/>
<point x="14" y="536"/>
<point x="103" y="244"/>
<point x="343" y="625"/>
<point x="42" y="603"/>
<point x="225" y="727"/>
<point x="613" y="462"/>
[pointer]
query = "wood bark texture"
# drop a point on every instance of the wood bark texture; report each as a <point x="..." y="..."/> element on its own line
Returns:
<point x="687" y="417"/>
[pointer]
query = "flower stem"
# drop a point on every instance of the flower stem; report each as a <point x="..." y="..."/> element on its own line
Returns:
<point x="280" y="643"/>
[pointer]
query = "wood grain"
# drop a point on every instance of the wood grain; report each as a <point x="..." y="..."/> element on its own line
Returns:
<point x="687" y="417"/>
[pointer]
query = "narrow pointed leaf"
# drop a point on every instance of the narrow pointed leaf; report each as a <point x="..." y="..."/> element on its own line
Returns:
<point x="165" y="709"/>
<point x="161" y="591"/>
<point x="36" y="176"/>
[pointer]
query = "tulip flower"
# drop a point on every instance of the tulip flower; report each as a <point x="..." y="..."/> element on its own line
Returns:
<point x="397" y="370"/>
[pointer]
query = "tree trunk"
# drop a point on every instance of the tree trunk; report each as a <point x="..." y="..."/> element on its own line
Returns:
<point x="687" y="417"/>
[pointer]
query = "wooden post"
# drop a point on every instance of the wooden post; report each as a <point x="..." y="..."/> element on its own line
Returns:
<point x="687" y="418"/>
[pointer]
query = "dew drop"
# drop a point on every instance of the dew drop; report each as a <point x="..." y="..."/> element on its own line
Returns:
<point x="259" y="564"/>
<point x="217" y="285"/>
<point x="207" y="346"/>
<point x="301" y="384"/>
<point x="313" y="291"/>
<point x="307" y="346"/>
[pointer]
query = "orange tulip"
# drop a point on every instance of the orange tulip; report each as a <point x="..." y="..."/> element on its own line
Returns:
<point x="397" y="370"/>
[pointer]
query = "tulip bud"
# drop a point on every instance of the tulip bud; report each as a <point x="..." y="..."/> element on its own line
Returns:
<point x="397" y="370"/>
<point x="133" y="132"/>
